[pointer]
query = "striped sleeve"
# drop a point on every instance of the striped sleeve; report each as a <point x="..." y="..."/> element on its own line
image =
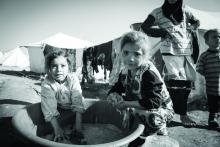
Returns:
<point x="200" y="64"/>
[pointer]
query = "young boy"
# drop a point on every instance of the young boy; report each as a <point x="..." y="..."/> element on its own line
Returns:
<point x="209" y="66"/>
<point x="141" y="88"/>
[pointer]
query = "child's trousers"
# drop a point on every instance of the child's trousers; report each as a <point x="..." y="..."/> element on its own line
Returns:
<point x="213" y="103"/>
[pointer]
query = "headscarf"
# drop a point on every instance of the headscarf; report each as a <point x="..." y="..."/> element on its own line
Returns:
<point x="174" y="11"/>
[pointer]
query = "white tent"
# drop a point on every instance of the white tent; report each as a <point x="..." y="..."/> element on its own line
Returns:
<point x="1" y="57"/>
<point x="58" y="40"/>
<point x="207" y="19"/>
<point x="17" y="57"/>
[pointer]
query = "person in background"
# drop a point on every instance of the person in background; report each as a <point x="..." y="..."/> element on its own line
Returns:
<point x="176" y="28"/>
<point x="140" y="88"/>
<point x="61" y="94"/>
<point x="208" y="66"/>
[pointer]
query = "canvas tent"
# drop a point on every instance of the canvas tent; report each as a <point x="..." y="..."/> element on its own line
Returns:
<point x="59" y="40"/>
<point x="17" y="57"/>
<point x="1" y="57"/>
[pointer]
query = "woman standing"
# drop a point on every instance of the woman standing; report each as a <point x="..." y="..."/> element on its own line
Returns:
<point x="175" y="26"/>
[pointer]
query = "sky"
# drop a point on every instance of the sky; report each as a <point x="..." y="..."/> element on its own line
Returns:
<point x="98" y="21"/>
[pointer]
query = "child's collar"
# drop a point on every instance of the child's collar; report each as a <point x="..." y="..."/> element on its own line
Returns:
<point x="141" y="69"/>
<point x="61" y="82"/>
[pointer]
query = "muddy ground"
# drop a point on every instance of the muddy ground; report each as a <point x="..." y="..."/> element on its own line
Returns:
<point x="18" y="89"/>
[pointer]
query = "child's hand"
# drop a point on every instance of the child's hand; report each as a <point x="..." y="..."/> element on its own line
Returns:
<point x="60" y="136"/>
<point x="114" y="98"/>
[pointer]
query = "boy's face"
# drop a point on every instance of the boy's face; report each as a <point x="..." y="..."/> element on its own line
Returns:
<point x="213" y="40"/>
<point x="59" y="68"/>
<point x="132" y="56"/>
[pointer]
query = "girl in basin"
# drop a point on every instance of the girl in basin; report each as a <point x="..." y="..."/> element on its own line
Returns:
<point x="61" y="93"/>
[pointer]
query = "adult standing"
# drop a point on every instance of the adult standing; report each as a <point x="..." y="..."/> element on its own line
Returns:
<point x="176" y="25"/>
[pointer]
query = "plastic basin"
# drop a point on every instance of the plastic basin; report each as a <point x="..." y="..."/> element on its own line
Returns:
<point x="29" y="123"/>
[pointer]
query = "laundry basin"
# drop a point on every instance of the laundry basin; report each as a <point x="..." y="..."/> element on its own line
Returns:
<point x="30" y="124"/>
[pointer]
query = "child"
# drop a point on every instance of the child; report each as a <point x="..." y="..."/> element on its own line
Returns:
<point x="141" y="87"/>
<point x="209" y="66"/>
<point x="61" y="91"/>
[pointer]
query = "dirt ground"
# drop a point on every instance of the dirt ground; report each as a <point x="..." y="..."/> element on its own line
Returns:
<point x="18" y="89"/>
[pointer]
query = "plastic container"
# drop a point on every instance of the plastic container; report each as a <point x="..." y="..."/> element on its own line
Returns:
<point x="29" y="120"/>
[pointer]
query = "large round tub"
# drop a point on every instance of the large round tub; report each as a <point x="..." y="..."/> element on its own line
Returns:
<point x="29" y="122"/>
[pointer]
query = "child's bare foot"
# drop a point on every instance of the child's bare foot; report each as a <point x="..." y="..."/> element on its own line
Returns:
<point x="212" y="122"/>
<point x="186" y="121"/>
<point x="163" y="132"/>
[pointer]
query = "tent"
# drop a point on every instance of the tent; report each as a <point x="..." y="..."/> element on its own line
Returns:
<point x="59" y="40"/>
<point x="1" y="57"/>
<point x="17" y="57"/>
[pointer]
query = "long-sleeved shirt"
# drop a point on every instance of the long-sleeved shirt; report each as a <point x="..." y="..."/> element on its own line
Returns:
<point x="66" y="95"/>
<point x="147" y="88"/>
<point x="208" y="65"/>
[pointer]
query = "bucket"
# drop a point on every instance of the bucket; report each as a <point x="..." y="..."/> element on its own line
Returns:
<point x="29" y="121"/>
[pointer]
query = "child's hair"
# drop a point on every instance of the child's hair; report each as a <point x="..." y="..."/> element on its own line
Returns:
<point x="207" y="33"/>
<point x="51" y="56"/>
<point x="139" y="38"/>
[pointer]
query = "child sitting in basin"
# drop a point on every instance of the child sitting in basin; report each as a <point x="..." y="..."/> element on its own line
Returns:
<point x="141" y="88"/>
<point x="61" y="92"/>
